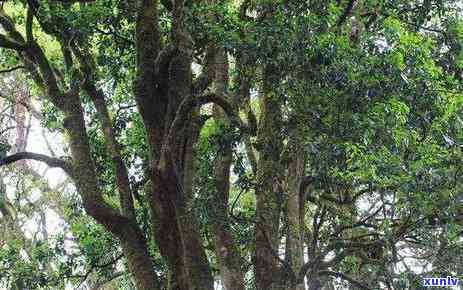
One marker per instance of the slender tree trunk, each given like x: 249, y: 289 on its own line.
x: 132, y: 239
x: 268, y: 190
x: 113, y: 147
x: 294, y: 238
x: 227, y: 253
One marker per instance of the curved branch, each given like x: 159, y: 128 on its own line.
x: 114, y: 33
x: 11, y: 69
x: 50, y: 161
x: 231, y: 113
x: 190, y: 103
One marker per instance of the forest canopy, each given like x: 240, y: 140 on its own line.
x: 234, y: 144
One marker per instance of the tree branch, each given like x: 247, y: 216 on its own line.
x: 50, y: 161
x: 11, y: 69
x: 146, y: 95
x: 347, y: 11
x: 94, y: 267
x: 205, y: 79
x: 29, y: 22
x: 112, y: 32
x: 190, y: 103
x: 5, y: 42
x: 8, y: 25
x: 167, y: 4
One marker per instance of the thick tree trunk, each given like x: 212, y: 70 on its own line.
x: 153, y: 106
x: 176, y: 168
x: 175, y: 228
x: 196, y: 265
x: 167, y: 238
x: 139, y: 261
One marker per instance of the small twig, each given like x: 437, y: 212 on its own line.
x: 115, y: 34
x: 235, y: 201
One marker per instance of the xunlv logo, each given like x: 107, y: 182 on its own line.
x: 440, y: 282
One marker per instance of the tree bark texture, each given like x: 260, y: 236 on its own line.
x: 225, y: 247
x: 268, y: 189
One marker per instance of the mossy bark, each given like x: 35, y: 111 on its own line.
x: 268, y: 189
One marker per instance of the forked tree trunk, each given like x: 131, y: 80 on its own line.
x: 132, y: 239
x: 158, y: 98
